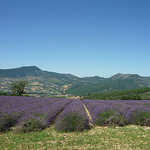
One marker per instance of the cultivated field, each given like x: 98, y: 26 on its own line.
x: 58, y: 123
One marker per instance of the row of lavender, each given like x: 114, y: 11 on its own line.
x: 73, y: 118
x: 29, y: 113
x: 33, y: 114
x: 119, y: 112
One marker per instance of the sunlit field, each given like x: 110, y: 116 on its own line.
x: 58, y: 123
x: 129, y: 137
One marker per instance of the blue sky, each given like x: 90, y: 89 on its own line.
x: 81, y: 37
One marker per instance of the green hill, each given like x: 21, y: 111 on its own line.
x: 43, y: 82
x: 52, y: 83
x: 135, y: 94
x: 114, y: 83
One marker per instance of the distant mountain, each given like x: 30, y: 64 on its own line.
x: 125, y: 76
x: 20, y: 72
x: 114, y: 83
x: 43, y: 82
x: 52, y: 83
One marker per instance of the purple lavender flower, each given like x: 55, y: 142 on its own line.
x: 15, y: 109
x: 73, y: 118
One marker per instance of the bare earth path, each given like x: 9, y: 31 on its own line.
x: 88, y: 113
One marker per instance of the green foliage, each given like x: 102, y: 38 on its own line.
x: 146, y: 122
x: 138, y: 117
x: 27, y: 95
x: 131, y: 97
x: 18, y: 87
x: 9, y: 94
x: 3, y: 93
x: 108, y: 85
x: 134, y: 94
x: 3, y: 124
x: 103, y: 116
x: 115, y: 120
x: 8, y: 119
x: 31, y: 125
x: 109, y: 118
x: 71, y: 122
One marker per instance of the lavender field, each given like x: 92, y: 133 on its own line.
x: 119, y: 112
x: 29, y: 113
x: 25, y: 114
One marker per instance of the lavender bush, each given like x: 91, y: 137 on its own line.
x: 146, y: 122
x: 119, y: 112
x: 41, y: 118
x: 138, y: 114
x: 8, y: 120
x: 36, y: 113
x: 15, y: 110
x: 115, y: 120
x: 73, y: 118
x: 3, y: 124
x: 31, y: 123
x: 100, y: 111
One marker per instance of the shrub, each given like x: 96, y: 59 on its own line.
x: 131, y: 97
x: 72, y: 122
x: 146, y: 122
x: 3, y: 93
x: 138, y: 116
x: 8, y: 120
x: 3, y: 125
x: 31, y: 124
x: 115, y: 120
x: 73, y: 118
x: 103, y: 116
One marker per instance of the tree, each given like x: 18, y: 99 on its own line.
x: 18, y: 87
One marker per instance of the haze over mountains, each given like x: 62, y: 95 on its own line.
x: 51, y: 83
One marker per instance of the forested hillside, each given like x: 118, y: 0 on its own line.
x: 135, y: 94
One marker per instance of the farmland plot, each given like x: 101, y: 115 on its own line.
x: 119, y: 112
x: 27, y: 114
